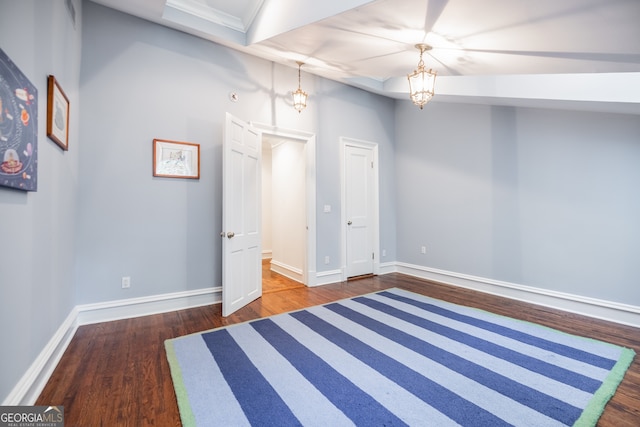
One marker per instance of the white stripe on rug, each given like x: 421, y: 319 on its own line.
x: 392, y: 357
x: 600, y: 348
x: 288, y: 382
x: 512, y: 344
x: 486, y: 398
x: 211, y: 401
x: 398, y: 400
x: 532, y: 379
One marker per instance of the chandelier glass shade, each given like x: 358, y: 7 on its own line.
x: 299, y: 96
x: 421, y: 81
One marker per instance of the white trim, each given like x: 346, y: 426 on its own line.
x: 328, y: 277
x: 312, y: 279
x: 387, y: 267
x: 284, y: 132
x: 217, y: 16
x: 373, y: 147
x: 309, y: 140
x: 145, y: 306
x: 292, y: 273
x: 624, y: 314
x: 35, y: 378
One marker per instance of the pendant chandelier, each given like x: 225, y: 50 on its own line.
x: 299, y: 96
x: 421, y: 81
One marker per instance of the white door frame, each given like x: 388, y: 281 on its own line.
x: 309, y: 141
x: 375, y: 215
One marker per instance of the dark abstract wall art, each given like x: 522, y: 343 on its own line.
x: 18, y: 128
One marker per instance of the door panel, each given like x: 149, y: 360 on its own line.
x: 359, y: 208
x: 241, y: 265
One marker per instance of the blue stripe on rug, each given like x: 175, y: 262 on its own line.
x: 287, y: 381
x: 491, y: 400
x: 524, y: 395
x: 392, y: 358
x: 356, y: 404
x: 593, y: 346
x: 452, y: 405
x: 572, y: 352
x: 574, y: 379
x: 405, y: 405
x: 259, y: 401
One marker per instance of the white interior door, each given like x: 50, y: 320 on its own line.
x: 359, y: 208
x: 241, y: 235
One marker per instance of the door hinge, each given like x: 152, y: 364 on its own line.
x: 371, y: 165
x: 373, y: 255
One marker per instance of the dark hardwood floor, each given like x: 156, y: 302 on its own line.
x: 275, y: 282
x: 116, y: 373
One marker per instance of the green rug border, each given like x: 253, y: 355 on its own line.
x: 601, y: 397
x: 184, y: 408
x: 589, y: 417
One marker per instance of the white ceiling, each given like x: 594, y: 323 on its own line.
x: 510, y: 52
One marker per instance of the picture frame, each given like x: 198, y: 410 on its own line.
x: 57, y: 114
x: 18, y: 128
x: 176, y: 159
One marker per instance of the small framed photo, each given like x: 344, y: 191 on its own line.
x: 57, y: 114
x: 174, y: 159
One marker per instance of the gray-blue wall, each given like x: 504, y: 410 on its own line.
x: 530, y: 196
x: 141, y: 81
x: 38, y: 229
x: 98, y: 213
x: 544, y: 198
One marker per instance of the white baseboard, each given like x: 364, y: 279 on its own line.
x: 327, y: 277
x: 144, y: 306
x: 341, y: 275
x: 33, y: 381
x: 624, y: 314
x: 387, y: 267
x: 312, y: 279
x: 292, y: 273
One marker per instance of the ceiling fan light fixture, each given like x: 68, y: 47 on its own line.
x: 421, y: 81
x: 299, y: 96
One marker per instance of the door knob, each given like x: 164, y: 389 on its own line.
x: 222, y: 234
x: 230, y: 234
x: 349, y: 223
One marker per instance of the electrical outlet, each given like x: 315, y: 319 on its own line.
x: 384, y: 252
x: 423, y: 250
x: 326, y: 259
x: 126, y: 282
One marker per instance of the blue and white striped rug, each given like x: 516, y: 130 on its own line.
x: 392, y: 358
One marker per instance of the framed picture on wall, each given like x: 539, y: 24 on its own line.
x: 174, y: 159
x: 57, y: 114
x: 18, y: 128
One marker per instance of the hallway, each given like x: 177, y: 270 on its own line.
x: 275, y: 282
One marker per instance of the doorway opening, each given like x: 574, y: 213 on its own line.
x: 283, y: 213
x: 288, y: 209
